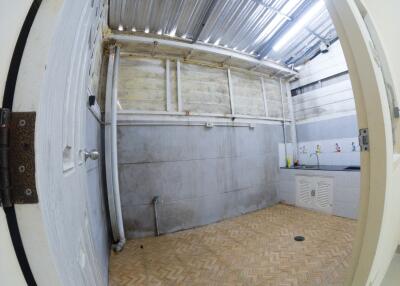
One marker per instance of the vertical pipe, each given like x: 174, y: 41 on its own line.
x: 168, y: 84
x: 122, y: 239
x: 264, y: 96
x: 283, y: 121
x: 155, y: 202
x: 293, y: 123
x: 107, y: 146
x: 230, y: 91
x: 111, y: 150
x: 178, y: 85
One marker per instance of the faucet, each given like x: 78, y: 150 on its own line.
x: 316, y: 155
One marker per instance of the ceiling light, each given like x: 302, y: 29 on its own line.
x: 184, y: 36
x: 278, y: 20
x: 173, y: 33
x: 217, y: 42
x: 206, y: 40
x: 133, y: 29
x: 159, y: 32
x: 299, y: 25
x: 120, y: 28
x: 146, y: 30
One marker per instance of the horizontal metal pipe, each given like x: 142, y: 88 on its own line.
x: 127, y: 39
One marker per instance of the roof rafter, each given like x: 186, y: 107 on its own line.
x: 264, y: 50
x: 204, y: 20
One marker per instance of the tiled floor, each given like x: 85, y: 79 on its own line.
x: 253, y: 249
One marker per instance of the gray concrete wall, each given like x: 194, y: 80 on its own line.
x: 339, y: 127
x: 202, y: 175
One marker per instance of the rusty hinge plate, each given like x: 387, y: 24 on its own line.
x: 21, y: 158
x: 363, y: 139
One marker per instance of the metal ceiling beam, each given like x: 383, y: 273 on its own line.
x: 266, y: 48
x: 294, y: 50
x: 276, y: 11
x: 314, y: 50
x: 316, y: 35
x: 210, y: 8
x: 131, y: 39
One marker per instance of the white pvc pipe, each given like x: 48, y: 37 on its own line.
x: 283, y: 123
x: 114, y: 198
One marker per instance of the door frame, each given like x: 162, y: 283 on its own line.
x: 373, y: 112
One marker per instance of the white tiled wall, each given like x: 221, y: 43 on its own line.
x: 329, y: 155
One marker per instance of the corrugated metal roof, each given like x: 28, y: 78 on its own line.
x: 249, y: 26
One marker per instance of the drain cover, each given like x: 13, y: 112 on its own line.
x: 299, y: 238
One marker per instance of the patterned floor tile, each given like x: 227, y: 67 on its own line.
x: 253, y: 249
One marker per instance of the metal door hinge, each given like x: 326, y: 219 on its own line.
x: 363, y: 139
x: 17, y: 158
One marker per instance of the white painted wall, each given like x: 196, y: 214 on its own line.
x: 332, y: 99
x: 327, y: 102
x: 11, y: 20
x: 322, y: 66
x: 328, y: 107
x: 12, y: 16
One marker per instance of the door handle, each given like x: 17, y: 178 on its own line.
x: 92, y: 154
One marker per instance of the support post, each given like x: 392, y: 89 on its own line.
x: 283, y: 121
x: 293, y: 122
x: 264, y: 96
x: 230, y: 91
x: 178, y: 85
x: 168, y: 84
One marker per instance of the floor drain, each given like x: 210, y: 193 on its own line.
x: 299, y: 238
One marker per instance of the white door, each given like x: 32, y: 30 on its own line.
x: 64, y: 236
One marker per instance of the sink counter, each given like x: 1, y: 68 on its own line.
x: 346, y: 187
x: 325, y: 168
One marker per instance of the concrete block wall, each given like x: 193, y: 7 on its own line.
x: 202, y: 175
x: 151, y: 85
